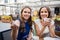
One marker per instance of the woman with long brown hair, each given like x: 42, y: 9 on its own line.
x: 24, y: 24
x: 44, y: 25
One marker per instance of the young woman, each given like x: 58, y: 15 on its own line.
x: 44, y: 25
x: 23, y: 25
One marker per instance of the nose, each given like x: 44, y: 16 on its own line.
x: 27, y: 13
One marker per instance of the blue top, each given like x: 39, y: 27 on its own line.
x: 22, y: 36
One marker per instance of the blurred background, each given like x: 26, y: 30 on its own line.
x: 9, y: 8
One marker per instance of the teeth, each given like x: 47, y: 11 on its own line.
x: 44, y: 15
x: 25, y: 15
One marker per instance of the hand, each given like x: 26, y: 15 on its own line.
x: 48, y: 24
x: 14, y: 27
x: 29, y: 38
x: 44, y: 24
x: 47, y: 21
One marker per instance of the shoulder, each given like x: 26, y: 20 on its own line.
x: 52, y: 22
x: 37, y: 20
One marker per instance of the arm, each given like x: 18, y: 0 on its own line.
x: 15, y: 28
x: 29, y: 36
x: 51, y: 27
x: 39, y: 31
x: 51, y: 30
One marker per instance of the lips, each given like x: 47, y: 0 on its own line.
x: 44, y: 15
x: 26, y: 17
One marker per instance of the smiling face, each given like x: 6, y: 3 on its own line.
x: 26, y: 13
x: 44, y: 13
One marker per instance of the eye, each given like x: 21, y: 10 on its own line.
x: 45, y: 11
x: 41, y: 12
x: 29, y: 12
x: 25, y: 11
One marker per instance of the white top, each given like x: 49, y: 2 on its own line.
x: 40, y: 26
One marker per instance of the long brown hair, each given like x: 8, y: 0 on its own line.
x: 22, y: 23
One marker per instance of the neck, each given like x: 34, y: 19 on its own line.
x: 23, y: 20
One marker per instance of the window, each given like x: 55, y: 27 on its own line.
x: 15, y: 0
x: 6, y: 1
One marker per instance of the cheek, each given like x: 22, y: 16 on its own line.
x: 47, y: 14
x: 29, y: 15
x: 41, y: 14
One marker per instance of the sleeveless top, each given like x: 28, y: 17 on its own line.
x: 24, y: 35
